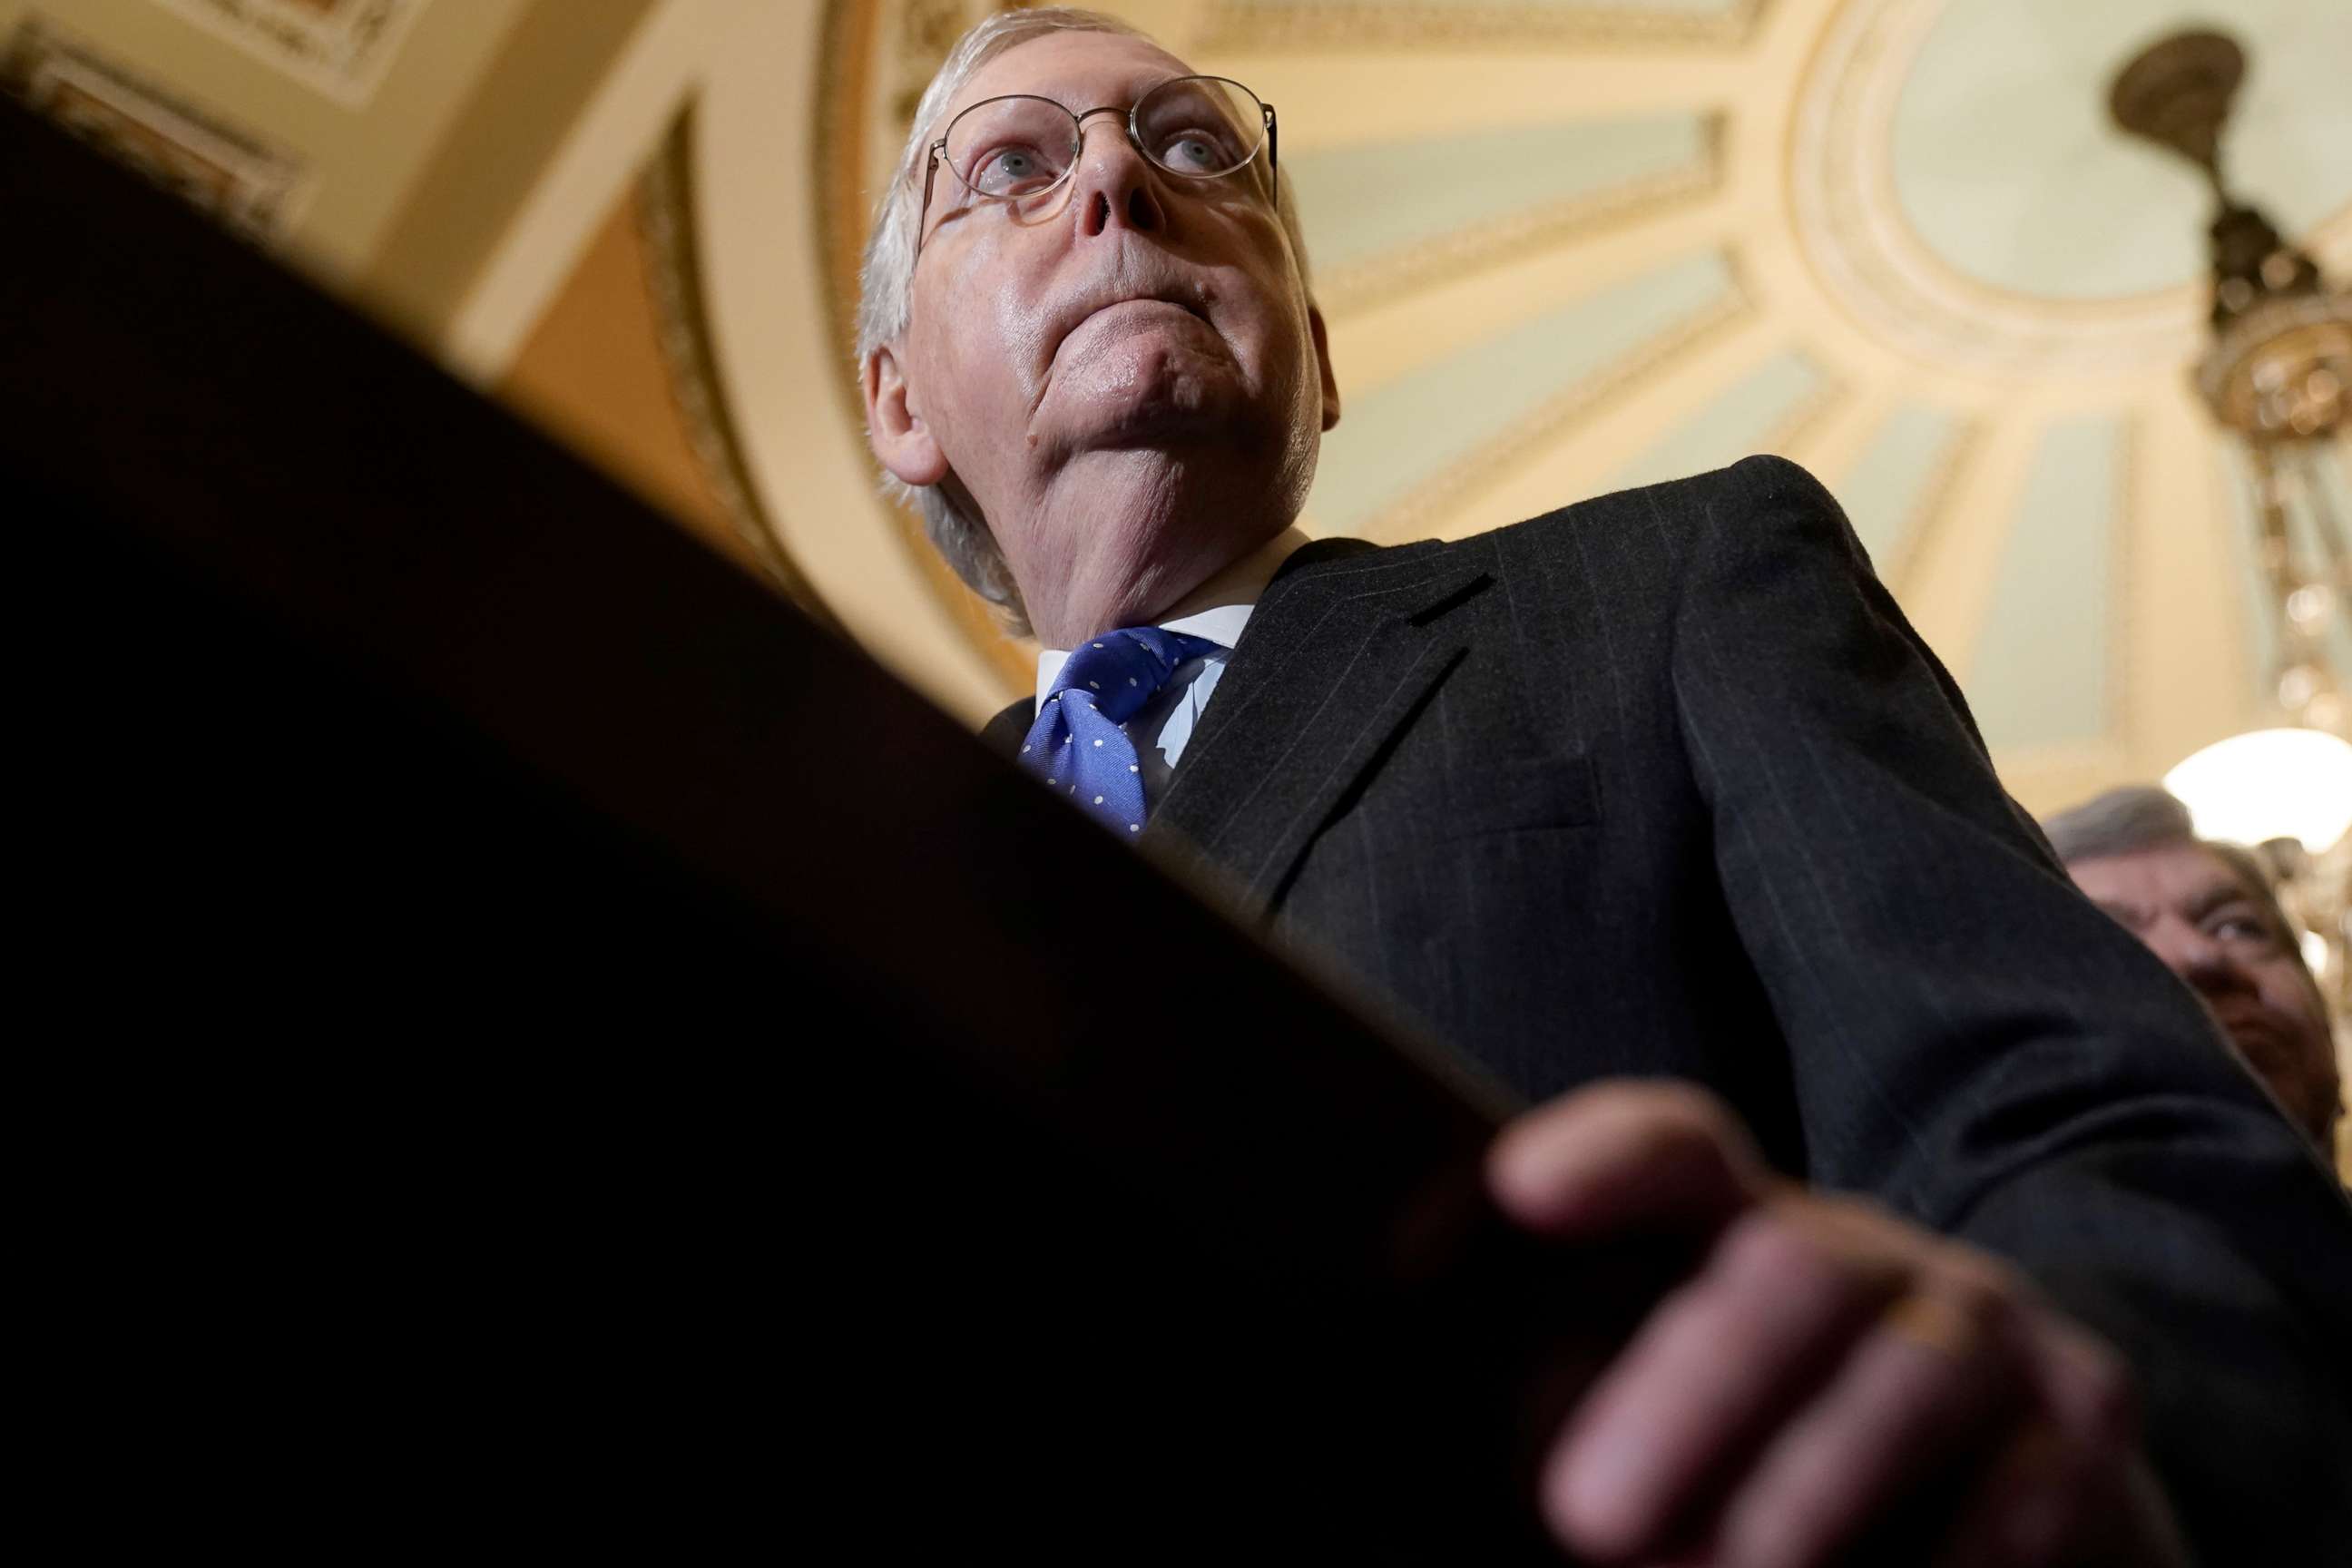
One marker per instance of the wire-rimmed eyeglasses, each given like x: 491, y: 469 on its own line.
x: 1020, y: 147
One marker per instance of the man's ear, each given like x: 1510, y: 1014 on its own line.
x: 1323, y: 358
x: 902, y: 442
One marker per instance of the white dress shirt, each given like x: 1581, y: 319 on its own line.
x: 1162, y: 726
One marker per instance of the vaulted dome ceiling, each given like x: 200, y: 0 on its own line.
x: 1562, y: 247
x: 1565, y: 248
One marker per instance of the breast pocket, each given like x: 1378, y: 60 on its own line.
x: 1519, y: 795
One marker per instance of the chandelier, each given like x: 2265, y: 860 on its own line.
x: 2276, y: 374
x: 2276, y: 377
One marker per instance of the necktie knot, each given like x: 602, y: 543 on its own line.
x: 1077, y: 743
x: 1120, y: 670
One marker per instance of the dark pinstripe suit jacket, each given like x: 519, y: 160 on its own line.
x: 1664, y: 783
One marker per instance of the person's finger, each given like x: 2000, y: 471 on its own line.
x: 2086, y: 1385
x: 1679, y: 1413
x: 1927, y: 1383
x: 2023, y: 1507
x: 2069, y: 1484
x: 1625, y: 1155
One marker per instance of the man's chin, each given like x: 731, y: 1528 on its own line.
x: 2275, y: 1049
x: 1122, y: 400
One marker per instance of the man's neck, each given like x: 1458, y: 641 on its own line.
x: 1130, y: 601
x: 1240, y: 583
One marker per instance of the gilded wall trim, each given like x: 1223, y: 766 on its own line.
x: 2123, y: 577
x: 220, y: 168
x: 339, y: 48
x: 1258, y: 26
x: 665, y: 217
x: 1931, y: 509
x: 1810, y: 415
x: 855, y: 32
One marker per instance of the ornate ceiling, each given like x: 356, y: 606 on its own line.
x: 1562, y: 247
x: 1565, y: 248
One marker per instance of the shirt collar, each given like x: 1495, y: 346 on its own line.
x: 1222, y: 625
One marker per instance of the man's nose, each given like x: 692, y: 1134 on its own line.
x: 2199, y: 959
x: 1112, y: 184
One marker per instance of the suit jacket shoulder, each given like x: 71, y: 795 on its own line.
x: 1664, y: 783
x: 1680, y: 513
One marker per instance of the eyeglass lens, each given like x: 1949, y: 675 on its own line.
x: 1007, y: 148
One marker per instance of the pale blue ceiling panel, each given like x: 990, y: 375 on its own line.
x: 1359, y: 203
x: 1737, y: 422
x: 1393, y: 436
x: 2040, y: 675
x: 1885, y: 490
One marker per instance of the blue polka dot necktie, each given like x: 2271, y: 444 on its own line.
x: 1077, y: 744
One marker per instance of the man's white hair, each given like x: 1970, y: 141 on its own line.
x: 886, y: 280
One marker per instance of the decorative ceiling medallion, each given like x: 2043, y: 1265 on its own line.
x: 1381, y: 279
x: 341, y: 47
x: 1873, y: 264
x: 219, y: 168
x: 1267, y: 25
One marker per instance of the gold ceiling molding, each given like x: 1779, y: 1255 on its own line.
x: 220, y: 168
x: 1261, y: 26
x: 1422, y: 508
x: 2115, y: 750
x: 1817, y: 408
x: 1873, y: 264
x: 924, y: 32
x: 1931, y: 510
x: 1381, y: 279
x: 879, y: 52
x: 2123, y: 563
x: 340, y: 47
x: 665, y: 217
x: 841, y: 160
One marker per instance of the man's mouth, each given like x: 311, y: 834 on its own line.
x: 2253, y: 1031
x: 1136, y: 311
x: 1136, y: 315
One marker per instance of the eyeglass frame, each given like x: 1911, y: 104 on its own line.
x: 937, y: 149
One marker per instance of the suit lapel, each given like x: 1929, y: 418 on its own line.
x: 1004, y: 733
x: 1344, y: 648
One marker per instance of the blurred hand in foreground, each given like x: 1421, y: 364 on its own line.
x: 1828, y: 1376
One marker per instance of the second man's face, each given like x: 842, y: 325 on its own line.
x: 2189, y: 907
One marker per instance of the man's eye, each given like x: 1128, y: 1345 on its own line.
x: 1012, y: 171
x: 1194, y: 151
x: 2241, y: 928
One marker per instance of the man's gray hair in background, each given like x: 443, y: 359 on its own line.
x: 2120, y: 821
x: 2140, y: 817
x: 886, y: 280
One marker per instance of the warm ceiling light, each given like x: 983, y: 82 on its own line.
x: 2269, y: 784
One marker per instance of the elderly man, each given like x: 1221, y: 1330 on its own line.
x: 1656, y: 807
x: 2207, y: 911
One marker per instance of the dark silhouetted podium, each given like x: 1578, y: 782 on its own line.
x: 539, y: 1046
